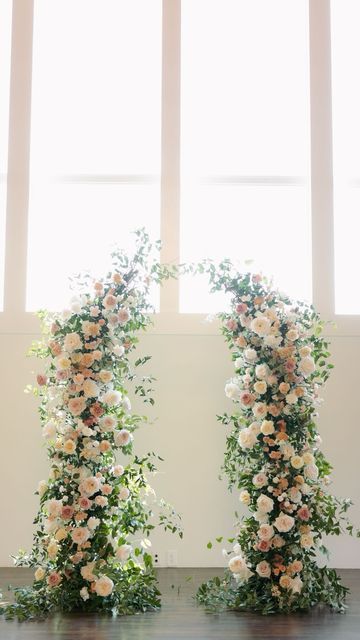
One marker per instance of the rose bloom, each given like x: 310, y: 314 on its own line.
x: 96, y: 410
x: 232, y: 390
x: 264, y: 546
x: 291, y: 398
x: 247, y: 438
x: 77, y: 405
x: 41, y: 379
x: 107, y: 423
x: 307, y: 366
x: 231, y: 324
x: 250, y: 355
x: 260, y: 386
x: 104, y: 586
x: 308, y: 458
x: 105, y: 376
x: 246, y: 399
x: 285, y: 582
x: 87, y: 571
x: 112, y: 398
x: 54, y: 578
x: 124, y: 493
x: 89, y: 486
x: 106, y: 489
x: 53, y: 507
x: 294, y: 494
x: 69, y: 447
x: 284, y: 523
x: 292, y: 335
x: 85, y: 503
x: 297, y: 462
x: 262, y: 371
x: 305, y: 351
x: 79, y: 535
x: 49, y: 430
x: 238, y: 567
x: 274, y: 410
x: 123, y: 552
x: 304, y: 513
x: 261, y: 517
x: 297, y: 566
x: 278, y: 541
x: 101, y: 501
x: 267, y: 427
x: 255, y: 428
x: 290, y: 365
x: 105, y: 446
x: 118, y: 470
x: 122, y: 437
x: 265, y: 532
x: 306, y: 541
x: 284, y: 387
x: 109, y: 302
x: 296, y: 585
x: 245, y: 497
x: 61, y: 534
x: 90, y: 388
x: 118, y: 350
x: 259, y: 410
x: 311, y: 471
x: 39, y: 573
x: 264, y: 503
x: 260, y: 480
x: 63, y: 362
x: 92, y: 523
x: 72, y: 342
x: 260, y: 325
x: 124, y: 316
x: 67, y: 512
x: 52, y: 549
x: 263, y: 569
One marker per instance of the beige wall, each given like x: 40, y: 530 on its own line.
x: 191, y: 372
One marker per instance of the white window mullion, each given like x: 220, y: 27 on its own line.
x: 321, y: 157
x: 18, y: 160
x: 170, y: 149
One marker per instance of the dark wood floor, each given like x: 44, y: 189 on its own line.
x: 181, y: 618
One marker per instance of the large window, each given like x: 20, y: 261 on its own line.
x: 228, y: 128
x: 346, y: 136
x: 245, y: 155
x: 5, y: 51
x: 95, y: 137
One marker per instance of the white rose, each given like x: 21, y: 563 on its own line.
x: 292, y: 335
x: 259, y: 409
x: 84, y: 594
x: 308, y: 458
x: 260, y: 325
x: 92, y: 523
x: 307, y: 366
x: 89, y: 486
x: 122, y: 437
x: 238, y: 566
x: 119, y: 350
x: 80, y: 535
x: 311, y: 471
x: 90, y: 388
x: 264, y: 503
x: 124, y: 493
x: 72, y: 341
x: 296, y: 585
x: 260, y: 480
x: 262, y: 371
x: 49, y: 430
x: 250, y: 355
x: 272, y: 341
x: 284, y: 523
x: 53, y: 507
x: 104, y: 586
x: 232, y: 391
x: 247, y: 438
x: 261, y: 517
x: 112, y: 398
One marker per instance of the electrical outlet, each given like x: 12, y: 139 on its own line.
x: 156, y: 558
x: 171, y: 558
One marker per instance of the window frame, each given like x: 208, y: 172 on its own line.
x: 15, y: 320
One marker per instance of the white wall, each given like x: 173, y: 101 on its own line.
x: 191, y: 371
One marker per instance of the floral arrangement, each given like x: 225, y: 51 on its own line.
x: 273, y: 454
x: 91, y: 547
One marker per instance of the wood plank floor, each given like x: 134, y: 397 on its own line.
x: 181, y: 618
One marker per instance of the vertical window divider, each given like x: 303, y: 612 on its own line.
x: 321, y: 158
x: 18, y: 158
x: 170, y: 149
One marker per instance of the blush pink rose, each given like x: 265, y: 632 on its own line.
x: 41, y: 379
x: 54, y: 578
x: 231, y: 324
x: 264, y: 545
x: 304, y: 513
x: 67, y: 512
